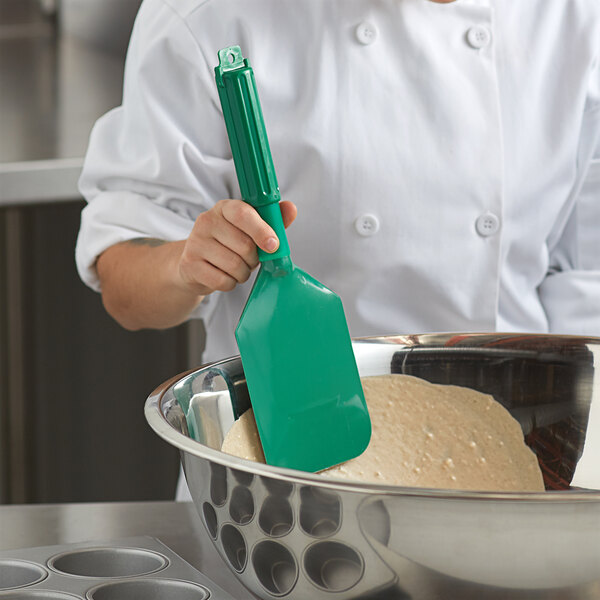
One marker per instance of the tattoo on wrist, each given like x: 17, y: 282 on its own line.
x: 146, y: 241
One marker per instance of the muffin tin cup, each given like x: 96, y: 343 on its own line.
x: 20, y: 573
x: 149, y: 589
x: 107, y: 562
x: 129, y: 568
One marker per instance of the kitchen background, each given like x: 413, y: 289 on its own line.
x: 72, y: 382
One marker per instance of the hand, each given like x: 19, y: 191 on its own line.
x: 221, y: 249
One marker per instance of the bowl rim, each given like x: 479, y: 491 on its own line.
x: 158, y: 422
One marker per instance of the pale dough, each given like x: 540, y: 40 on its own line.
x: 426, y: 435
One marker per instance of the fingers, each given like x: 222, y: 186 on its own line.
x: 288, y: 212
x: 231, y: 237
x: 208, y: 266
x: 216, y: 255
x: 221, y: 251
x: 246, y: 219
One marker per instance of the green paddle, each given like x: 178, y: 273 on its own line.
x: 292, y: 335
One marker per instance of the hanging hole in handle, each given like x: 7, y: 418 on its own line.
x: 231, y: 58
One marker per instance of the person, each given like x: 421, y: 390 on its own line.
x: 441, y: 161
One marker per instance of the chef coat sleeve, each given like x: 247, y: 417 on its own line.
x: 162, y: 157
x: 571, y: 291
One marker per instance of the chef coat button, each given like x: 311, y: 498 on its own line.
x: 487, y: 224
x: 367, y: 225
x: 479, y: 36
x: 366, y: 33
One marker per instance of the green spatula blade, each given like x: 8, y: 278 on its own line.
x: 292, y: 336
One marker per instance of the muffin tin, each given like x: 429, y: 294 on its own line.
x: 127, y: 568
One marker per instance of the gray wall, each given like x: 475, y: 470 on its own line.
x: 74, y: 382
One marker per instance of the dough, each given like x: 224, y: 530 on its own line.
x: 426, y: 435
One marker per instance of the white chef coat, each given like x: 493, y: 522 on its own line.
x: 444, y: 158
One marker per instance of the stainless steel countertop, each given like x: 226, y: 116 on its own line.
x: 53, y: 89
x: 176, y: 524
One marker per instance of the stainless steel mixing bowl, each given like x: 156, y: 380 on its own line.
x: 298, y: 535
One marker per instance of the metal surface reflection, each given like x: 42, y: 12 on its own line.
x: 297, y: 535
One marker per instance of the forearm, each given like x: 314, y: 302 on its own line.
x: 141, y: 285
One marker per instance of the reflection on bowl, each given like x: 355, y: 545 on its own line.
x: 294, y: 534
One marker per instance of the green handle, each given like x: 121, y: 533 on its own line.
x: 249, y: 144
